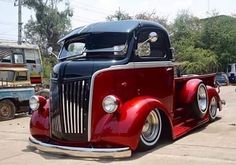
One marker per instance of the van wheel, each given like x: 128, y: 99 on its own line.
x: 151, y: 131
x: 201, y: 101
x: 7, y: 109
x: 213, y: 109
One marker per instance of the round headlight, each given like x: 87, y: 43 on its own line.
x: 110, y: 104
x: 34, y: 103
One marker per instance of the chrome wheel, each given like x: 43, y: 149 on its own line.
x: 213, y: 109
x: 152, y: 128
x: 202, y: 98
x: 201, y: 101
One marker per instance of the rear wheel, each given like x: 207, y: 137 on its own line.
x: 201, y: 101
x: 213, y: 109
x: 151, y: 131
x: 7, y: 109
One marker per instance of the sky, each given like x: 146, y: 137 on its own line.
x: 90, y: 11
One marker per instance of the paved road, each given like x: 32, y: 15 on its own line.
x: 211, y: 144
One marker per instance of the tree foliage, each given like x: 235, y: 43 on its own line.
x: 219, y: 36
x: 49, y: 23
x: 151, y: 16
x: 119, y: 15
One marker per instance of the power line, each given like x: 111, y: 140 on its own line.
x: 6, y: 24
x: 86, y: 5
x: 7, y: 32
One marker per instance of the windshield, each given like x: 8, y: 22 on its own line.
x: 6, y: 76
x: 96, y: 44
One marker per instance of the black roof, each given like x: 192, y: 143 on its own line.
x: 125, y: 26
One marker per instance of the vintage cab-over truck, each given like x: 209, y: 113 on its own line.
x: 15, y: 91
x: 115, y: 91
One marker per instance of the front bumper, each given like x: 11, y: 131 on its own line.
x: 79, y: 151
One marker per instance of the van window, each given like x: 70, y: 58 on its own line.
x: 32, y: 56
x: 229, y: 68
x: 18, y: 59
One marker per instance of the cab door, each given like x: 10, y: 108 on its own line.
x: 154, y: 71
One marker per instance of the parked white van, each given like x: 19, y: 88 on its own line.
x: 231, y: 72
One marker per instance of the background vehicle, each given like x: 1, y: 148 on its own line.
x: 231, y: 72
x: 24, y: 55
x: 222, y: 78
x: 114, y: 91
x: 15, y: 91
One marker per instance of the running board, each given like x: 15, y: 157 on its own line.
x: 187, y: 125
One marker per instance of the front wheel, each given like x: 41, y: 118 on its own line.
x: 151, y: 131
x: 7, y: 110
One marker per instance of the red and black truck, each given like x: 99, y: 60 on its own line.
x: 115, y: 90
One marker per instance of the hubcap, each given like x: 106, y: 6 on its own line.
x: 202, y: 98
x: 151, y: 127
x: 213, y: 108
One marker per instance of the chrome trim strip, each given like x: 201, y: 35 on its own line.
x: 131, y: 65
x: 79, y: 151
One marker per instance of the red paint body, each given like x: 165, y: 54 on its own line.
x: 138, y: 94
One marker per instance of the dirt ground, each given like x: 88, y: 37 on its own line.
x: 214, y: 143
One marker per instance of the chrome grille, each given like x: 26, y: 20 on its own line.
x: 70, y: 118
x: 74, y: 101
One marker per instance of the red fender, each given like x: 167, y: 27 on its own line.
x: 39, y: 123
x: 124, y: 127
x: 188, y: 92
x: 212, y: 92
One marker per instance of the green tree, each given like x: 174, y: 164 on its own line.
x: 49, y: 24
x: 219, y: 36
x: 119, y: 15
x: 186, y: 31
x: 152, y: 16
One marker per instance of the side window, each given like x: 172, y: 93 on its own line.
x: 21, y: 76
x: 150, y: 48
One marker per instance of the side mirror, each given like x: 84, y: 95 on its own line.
x: 153, y: 37
x: 50, y: 49
x: 50, y: 52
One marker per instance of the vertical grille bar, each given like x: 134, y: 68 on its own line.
x: 74, y: 107
x: 67, y: 109
x: 82, y: 103
x: 71, y: 107
x: 64, y: 107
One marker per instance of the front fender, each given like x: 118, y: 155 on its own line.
x: 124, y: 127
x: 39, y: 123
x: 188, y: 92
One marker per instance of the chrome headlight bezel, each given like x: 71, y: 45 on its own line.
x: 110, y: 104
x: 34, y: 103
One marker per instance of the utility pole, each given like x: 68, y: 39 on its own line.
x: 19, y: 4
